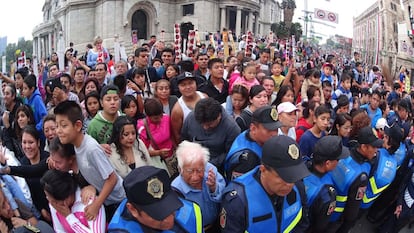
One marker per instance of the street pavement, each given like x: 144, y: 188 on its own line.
x: 364, y: 226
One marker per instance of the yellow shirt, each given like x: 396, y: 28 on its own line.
x: 278, y: 81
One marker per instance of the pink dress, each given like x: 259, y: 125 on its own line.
x: 247, y: 83
x: 160, y: 132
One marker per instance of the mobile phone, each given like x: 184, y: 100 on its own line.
x: 32, y: 228
x: 75, y: 53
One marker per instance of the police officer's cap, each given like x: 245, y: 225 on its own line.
x: 282, y: 154
x: 330, y: 148
x: 267, y: 116
x: 366, y: 136
x: 149, y: 189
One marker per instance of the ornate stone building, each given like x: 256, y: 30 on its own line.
x: 383, y: 33
x: 79, y: 21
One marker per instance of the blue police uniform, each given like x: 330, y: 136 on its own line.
x: 382, y: 174
x: 251, y: 209
x: 387, y: 198
x: 321, y: 200
x: 241, y: 144
x: 405, y: 200
x: 351, y: 171
x: 400, y: 154
x: 187, y: 219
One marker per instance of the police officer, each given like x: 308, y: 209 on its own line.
x: 350, y: 179
x: 319, y: 187
x: 386, y: 201
x: 151, y: 205
x: 267, y: 199
x: 385, y: 166
x: 403, y: 211
x: 246, y: 151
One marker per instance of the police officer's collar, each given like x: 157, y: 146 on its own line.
x: 358, y: 157
x: 315, y: 171
x: 248, y: 137
x: 128, y: 217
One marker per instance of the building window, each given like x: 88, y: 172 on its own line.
x: 140, y: 24
x: 188, y: 9
x: 393, y: 7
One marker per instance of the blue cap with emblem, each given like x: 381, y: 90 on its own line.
x: 282, y: 154
x: 149, y: 189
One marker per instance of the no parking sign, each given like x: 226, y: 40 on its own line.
x: 325, y: 15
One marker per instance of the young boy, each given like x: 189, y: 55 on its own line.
x: 92, y: 162
x: 344, y: 89
x: 277, y: 75
x: 326, y: 74
x: 100, y: 127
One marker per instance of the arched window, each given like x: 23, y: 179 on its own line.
x: 139, y: 23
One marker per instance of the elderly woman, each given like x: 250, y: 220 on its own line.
x: 199, y: 181
x: 97, y: 54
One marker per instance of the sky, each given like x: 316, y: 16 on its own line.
x: 23, y: 15
x: 346, y: 10
x: 19, y: 17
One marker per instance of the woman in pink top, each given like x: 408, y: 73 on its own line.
x: 156, y: 125
x: 248, y: 76
x: 66, y: 206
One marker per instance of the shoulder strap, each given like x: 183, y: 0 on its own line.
x: 149, y: 136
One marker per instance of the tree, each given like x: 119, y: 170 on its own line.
x: 282, y: 31
x: 23, y: 45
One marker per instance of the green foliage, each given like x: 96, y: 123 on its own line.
x: 283, y: 32
x: 23, y: 45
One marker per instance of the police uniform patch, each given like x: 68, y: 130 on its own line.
x: 273, y: 114
x: 155, y: 188
x: 223, y: 218
x: 331, y: 208
x: 360, y: 193
x: 293, y: 151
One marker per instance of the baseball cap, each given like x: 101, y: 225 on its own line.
x: 109, y: 89
x: 282, y: 154
x: 286, y: 107
x: 149, y: 188
x: 366, y: 136
x: 328, y: 64
x: 394, y: 132
x: 184, y: 76
x: 330, y: 148
x: 267, y: 116
x: 381, y: 123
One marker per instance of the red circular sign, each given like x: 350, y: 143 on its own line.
x: 320, y: 14
x: 332, y: 17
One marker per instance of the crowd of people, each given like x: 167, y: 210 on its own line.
x: 247, y: 142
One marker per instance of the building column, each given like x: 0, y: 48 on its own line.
x: 39, y: 48
x: 49, y: 46
x: 238, y: 22
x: 256, y: 20
x: 250, y: 27
x: 34, y: 45
x: 223, y: 18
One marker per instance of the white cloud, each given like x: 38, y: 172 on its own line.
x: 19, y: 18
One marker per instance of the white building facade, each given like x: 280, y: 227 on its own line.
x: 384, y: 34
x: 79, y: 21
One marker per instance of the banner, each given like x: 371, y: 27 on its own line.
x: 325, y: 15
